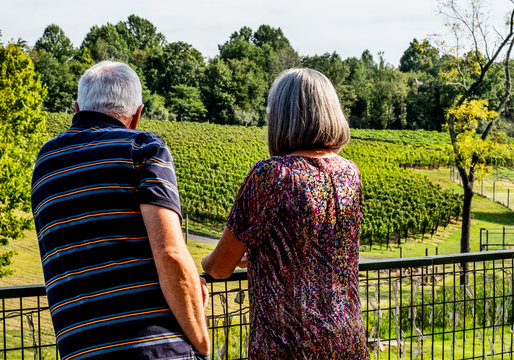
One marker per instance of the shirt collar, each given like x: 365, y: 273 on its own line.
x: 86, y: 118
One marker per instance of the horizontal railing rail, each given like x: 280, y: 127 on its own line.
x: 457, y: 306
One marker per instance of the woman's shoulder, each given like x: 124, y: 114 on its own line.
x: 269, y: 167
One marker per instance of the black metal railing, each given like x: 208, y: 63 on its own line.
x: 413, y: 308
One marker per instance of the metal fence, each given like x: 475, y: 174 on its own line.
x: 413, y: 308
x: 495, y: 188
x: 496, y: 238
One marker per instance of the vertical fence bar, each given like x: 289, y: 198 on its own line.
x: 493, y: 284
x: 4, y: 328
x: 39, y: 326
x: 379, y: 311
x: 494, y: 190
x: 463, y: 292
x: 454, y: 288
x: 423, y: 309
x: 474, y: 304
x: 484, y: 300
x: 512, y: 301
x: 411, y: 305
x: 433, y: 281
x: 444, y: 306
x: 21, y: 329
x: 390, y: 319
x: 503, y: 309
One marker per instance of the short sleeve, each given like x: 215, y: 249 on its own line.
x: 157, y: 182
x: 255, y: 206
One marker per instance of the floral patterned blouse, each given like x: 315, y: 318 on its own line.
x: 299, y: 217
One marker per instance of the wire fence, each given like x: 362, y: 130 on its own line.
x: 491, y: 239
x: 455, y: 306
x: 498, y: 187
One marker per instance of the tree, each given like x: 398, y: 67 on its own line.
x: 186, y: 103
x: 274, y: 37
x: 177, y: 63
x: 110, y: 42
x: 55, y: 42
x: 217, y: 91
x: 145, y: 33
x: 420, y: 56
x: 267, y: 47
x: 21, y: 96
x: 60, y: 67
x: 467, y: 74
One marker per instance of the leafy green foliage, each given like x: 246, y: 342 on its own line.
x: 470, y: 150
x: 232, y: 87
x: 55, y: 42
x: 21, y: 128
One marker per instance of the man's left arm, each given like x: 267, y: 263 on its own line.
x: 178, y: 277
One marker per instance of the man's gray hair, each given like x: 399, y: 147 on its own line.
x: 112, y: 88
x: 304, y: 113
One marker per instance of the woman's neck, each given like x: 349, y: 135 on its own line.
x: 316, y: 153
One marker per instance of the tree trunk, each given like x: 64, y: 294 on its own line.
x: 467, y: 184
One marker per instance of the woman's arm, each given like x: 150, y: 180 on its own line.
x: 225, y: 257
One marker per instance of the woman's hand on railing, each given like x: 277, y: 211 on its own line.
x: 243, y: 263
x: 205, y: 292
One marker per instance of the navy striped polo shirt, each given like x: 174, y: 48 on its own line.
x: 100, y: 276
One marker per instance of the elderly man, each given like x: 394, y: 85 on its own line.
x: 121, y: 283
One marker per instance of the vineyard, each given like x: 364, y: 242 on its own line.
x: 212, y: 160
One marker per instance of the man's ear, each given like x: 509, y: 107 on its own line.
x: 76, y: 107
x: 136, y: 117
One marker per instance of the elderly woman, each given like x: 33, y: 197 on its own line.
x: 297, y: 218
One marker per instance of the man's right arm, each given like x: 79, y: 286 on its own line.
x: 178, y: 277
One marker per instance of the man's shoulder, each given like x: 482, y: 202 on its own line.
x: 76, y: 136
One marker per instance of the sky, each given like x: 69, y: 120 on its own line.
x: 313, y: 27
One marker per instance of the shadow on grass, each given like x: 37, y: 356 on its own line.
x: 501, y: 219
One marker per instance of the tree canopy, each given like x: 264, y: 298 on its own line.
x: 21, y: 97
x: 231, y: 88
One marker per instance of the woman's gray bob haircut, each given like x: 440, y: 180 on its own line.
x: 112, y: 88
x: 304, y: 113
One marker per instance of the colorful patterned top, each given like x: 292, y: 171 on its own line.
x: 300, y: 219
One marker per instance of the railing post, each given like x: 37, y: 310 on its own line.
x: 481, y: 246
x: 503, y: 237
x: 494, y: 190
